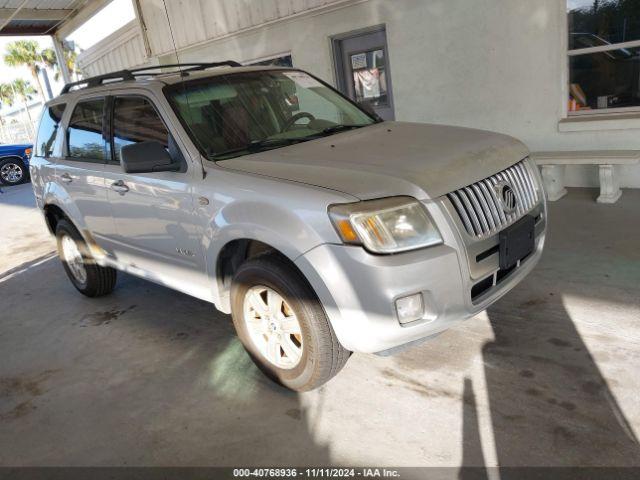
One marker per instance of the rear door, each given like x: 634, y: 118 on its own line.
x: 46, y: 149
x: 156, y: 228
x: 79, y: 170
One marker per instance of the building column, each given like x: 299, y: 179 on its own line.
x: 62, y: 63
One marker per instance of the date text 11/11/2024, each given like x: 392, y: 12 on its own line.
x: 316, y: 473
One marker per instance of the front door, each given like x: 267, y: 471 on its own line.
x: 362, y: 70
x: 156, y: 232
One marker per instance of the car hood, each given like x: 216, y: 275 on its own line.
x: 14, y: 148
x: 390, y: 158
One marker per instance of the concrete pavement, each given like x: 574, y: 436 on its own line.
x: 148, y: 376
x: 23, y: 234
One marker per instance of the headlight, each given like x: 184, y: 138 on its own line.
x: 28, y: 152
x: 388, y: 225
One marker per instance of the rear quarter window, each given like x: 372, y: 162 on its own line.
x: 48, y: 130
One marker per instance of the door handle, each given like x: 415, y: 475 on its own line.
x: 66, y: 178
x: 119, y: 187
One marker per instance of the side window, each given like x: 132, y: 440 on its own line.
x: 84, y: 133
x: 48, y: 130
x: 136, y: 120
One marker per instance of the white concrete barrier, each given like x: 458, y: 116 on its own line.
x: 553, y: 165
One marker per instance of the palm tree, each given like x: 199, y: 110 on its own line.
x: 50, y: 60
x: 26, y: 53
x: 6, y: 97
x: 6, y: 94
x: 25, y: 91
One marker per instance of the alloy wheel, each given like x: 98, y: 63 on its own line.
x: 73, y: 259
x: 11, y: 173
x: 273, y: 327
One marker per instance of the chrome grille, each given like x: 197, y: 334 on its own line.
x: 481, y: 210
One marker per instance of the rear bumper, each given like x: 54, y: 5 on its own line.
x: 358, y: 290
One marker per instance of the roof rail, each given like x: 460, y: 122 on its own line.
x: 185, y: 67
x: 124, y: 75
x: 90, y: 82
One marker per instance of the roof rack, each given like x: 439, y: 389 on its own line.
x: 125, y: 75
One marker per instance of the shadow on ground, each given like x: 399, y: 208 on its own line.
x: 148, y: 376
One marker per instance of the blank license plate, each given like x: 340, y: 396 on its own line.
x: 517, y: 241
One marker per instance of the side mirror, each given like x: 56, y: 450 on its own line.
x: 145, y: 157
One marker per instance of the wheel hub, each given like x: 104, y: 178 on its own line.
x: 11, y: 173
x: 73, y: 258
x: 273, y: 327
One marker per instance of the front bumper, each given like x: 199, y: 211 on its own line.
x: 358, y: 290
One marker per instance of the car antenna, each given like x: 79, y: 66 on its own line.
x: 183, y: 74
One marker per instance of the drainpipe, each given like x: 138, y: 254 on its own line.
x: 47, y: 84
x: 60, y: 58
x: 143, y: 28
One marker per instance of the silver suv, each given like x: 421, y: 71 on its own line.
x: 320, y: 228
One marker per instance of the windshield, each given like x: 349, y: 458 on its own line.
x: 237, y: 114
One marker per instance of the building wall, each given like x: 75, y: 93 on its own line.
x: 122, y: 49
x: 193, y: 21
x: 18, y: 127
x: 493, y: 64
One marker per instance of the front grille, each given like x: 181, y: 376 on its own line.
x: 481, y: 210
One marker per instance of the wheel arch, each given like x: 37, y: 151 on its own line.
x: 232, y: 255
x: 52, y: 215
x: 18, y: 157
x: 55, y: 198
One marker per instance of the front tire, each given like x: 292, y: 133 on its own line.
x: 282, y: 324
x: 85, y: 274
x: 12, y: 171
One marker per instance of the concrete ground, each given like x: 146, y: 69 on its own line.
x: 148, y: 376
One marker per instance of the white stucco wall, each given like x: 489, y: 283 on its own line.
x: 494, y: 64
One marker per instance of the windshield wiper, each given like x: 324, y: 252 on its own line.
x: 339, y: 128
x: 258, y: 145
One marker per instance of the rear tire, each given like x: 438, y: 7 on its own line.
x: 307, y: 355
x: 12, y: 171
x: 85, y: 274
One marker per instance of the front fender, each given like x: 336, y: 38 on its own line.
x: 289, y: 217
x: 290, y: 232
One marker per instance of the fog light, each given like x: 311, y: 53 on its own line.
x: 410, y: 308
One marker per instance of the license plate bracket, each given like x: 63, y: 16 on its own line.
x: 517, y: 241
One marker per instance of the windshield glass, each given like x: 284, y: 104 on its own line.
x: 237, y: 114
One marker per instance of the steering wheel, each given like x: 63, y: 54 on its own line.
x: 294, y: 118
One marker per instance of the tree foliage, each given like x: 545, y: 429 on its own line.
x: 612, y: 20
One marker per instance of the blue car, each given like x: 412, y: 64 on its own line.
x: 14, y: 163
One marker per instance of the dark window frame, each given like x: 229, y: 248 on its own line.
x: 37, y: 147
x: 67, y: 150
x: 111, y: 128
x: 606, y: 48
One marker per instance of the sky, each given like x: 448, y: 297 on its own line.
x: 573, y: 4
x: 102, y: 24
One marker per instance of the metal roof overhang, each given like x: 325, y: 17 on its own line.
x: 45, y: 17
